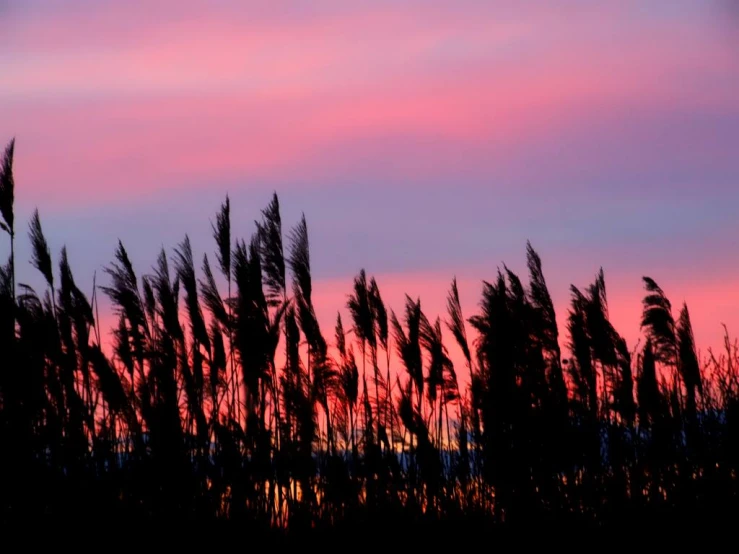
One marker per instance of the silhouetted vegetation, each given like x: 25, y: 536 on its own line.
x: 221, y: 397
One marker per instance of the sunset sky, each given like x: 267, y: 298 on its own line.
x: 422, y: 139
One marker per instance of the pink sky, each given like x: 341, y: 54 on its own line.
x: 423, y: 140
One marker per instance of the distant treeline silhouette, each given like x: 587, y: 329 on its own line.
x: 232, y: 403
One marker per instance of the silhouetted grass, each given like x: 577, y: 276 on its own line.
x: 229, y: 409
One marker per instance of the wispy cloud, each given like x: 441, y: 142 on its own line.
x: 441, y: 134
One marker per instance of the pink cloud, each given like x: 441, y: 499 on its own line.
x: 167, y: 140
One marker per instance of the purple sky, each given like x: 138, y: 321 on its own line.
x: 423, y: 140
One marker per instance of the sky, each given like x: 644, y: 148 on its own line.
x: 422, y: 139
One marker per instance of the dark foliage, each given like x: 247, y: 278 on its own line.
x: 192, y: 414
